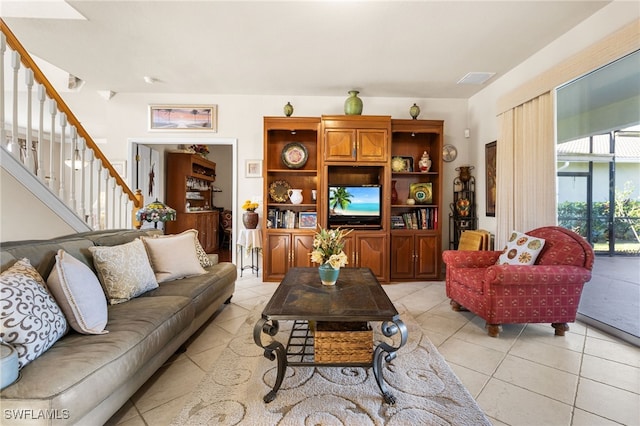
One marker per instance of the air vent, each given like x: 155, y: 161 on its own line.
x: 476, y: 77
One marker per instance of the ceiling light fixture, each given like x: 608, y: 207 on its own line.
x: 476, y: 77
x: 150, y: 80
x: 106, y: 94
x: 74, y: 83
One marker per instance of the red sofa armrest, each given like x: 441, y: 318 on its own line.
x: 469, y: 259
x: 536, y: 274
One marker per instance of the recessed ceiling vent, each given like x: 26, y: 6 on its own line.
x: 476, y: 77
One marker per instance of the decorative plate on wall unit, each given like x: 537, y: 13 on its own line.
x: 279, y: 191
x: 422, y: 192
x: 294, y: 155
x: 449, y: 153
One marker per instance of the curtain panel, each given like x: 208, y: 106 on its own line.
x: 526, y: 168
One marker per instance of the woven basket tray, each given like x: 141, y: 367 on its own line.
x: 343, y: 342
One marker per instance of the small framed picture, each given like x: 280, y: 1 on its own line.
x: 307, y: 220
x: 121, y: 167
x: 182, y: 118
x: 253, y: 169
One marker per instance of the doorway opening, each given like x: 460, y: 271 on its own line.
x: 222, y: 150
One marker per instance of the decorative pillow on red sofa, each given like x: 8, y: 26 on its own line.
x: 521, y: 249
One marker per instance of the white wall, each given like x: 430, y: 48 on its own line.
x: 25, y: 217
x: 482, y: 106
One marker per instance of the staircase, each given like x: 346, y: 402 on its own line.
x: 44, y: 146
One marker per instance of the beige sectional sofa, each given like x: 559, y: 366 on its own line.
x: 85, y: 379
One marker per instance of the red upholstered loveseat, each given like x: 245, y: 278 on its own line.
x: 546, y: 292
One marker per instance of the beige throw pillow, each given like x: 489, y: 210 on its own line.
x: 124, y: 271
x: 173, y: 256
x: 78, y: 292
x: 30, y: 319
x: 521, y: 249
x: 203, y: 257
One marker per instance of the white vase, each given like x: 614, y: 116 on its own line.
x: 295, y: 195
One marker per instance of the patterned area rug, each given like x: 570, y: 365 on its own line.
x: 426, y: 389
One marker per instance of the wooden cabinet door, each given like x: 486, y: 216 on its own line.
x: 207, y: 226
x: 276, y: 253
x: 372, y: 250
x: 427, y: 250
x: 302, y: 246
x: 339, y: 144
x: 372, y: 145
x: 402, y: 256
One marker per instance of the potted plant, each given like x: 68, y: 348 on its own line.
x: 250, y: 217
x: 328, y: 251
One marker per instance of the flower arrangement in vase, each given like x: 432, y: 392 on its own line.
x: 250, y: 217
x: 328, y: 251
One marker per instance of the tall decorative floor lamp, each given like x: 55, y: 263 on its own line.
x: 155, y: 212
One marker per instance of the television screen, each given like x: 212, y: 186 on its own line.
x: 355, y: 204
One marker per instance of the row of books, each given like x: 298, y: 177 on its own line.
x: 425, y: 218
x: 277, y: 218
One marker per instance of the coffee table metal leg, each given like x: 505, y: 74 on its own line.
x: 389, y: 329
x: 274, y: 350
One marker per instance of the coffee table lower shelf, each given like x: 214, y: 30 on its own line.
x: 300, y: 351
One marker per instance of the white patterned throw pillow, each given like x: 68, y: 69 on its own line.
x: 30, y: 319
x: 521, y: 249
x: 124, y: 271
x: 79, y: 294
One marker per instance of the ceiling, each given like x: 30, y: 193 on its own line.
x: 417, y: 49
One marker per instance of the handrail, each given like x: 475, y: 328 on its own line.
x: 39, y: 76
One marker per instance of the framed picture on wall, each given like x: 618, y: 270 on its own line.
x: 253, y: 169
x: 182, y: 118
x: 490, y: 169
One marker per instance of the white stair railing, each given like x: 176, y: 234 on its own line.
x: 53, y: 146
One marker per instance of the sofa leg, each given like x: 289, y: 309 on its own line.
x: 226, y: 302
x: 560, y: 327
x: 493, y: 330
x: 455, y: 306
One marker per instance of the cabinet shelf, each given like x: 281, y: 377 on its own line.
x: 182, y: 169
x: 414, y: 174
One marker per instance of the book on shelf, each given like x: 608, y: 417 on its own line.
x: 421, y: 218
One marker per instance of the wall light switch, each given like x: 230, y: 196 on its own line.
x: 466, y: 133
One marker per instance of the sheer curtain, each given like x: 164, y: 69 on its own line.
x: 526, y: 168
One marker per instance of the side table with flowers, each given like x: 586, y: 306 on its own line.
x: 327, y: 251
x: 250, y: 217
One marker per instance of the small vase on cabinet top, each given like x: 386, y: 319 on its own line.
x: 414, y: 111
x: 288, y: 109
x: 353, y: 104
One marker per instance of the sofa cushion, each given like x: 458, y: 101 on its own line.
x: 78, y: 292
x: 81, y: 369
x: 124, y: 271
x: 30, y: 319
x: 521, y: 249
x: 173, y: 256
x: 201, y: 289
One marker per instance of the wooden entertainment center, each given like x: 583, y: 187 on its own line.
x: 311, y: 154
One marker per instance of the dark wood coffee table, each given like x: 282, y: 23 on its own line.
x: 301, y: 298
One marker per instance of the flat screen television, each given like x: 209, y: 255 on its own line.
x: 355, y: 205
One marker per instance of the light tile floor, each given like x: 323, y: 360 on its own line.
x: 527, y: 376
